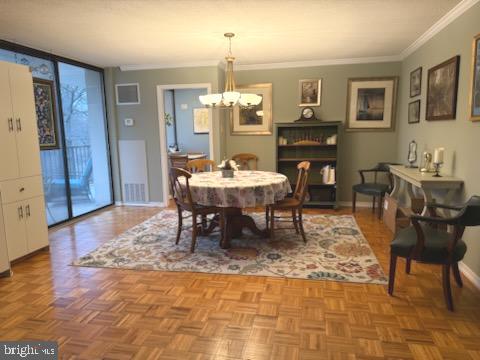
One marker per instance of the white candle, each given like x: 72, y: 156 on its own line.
x: 438, y: 155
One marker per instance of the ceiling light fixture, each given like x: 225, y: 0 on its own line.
x: 229, y: 98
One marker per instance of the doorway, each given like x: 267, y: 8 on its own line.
x: 185, y: 125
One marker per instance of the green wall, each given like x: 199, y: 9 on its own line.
x: 460, y: 137
x: 357, y: 149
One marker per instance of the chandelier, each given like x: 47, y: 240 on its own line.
x: 229, y: 98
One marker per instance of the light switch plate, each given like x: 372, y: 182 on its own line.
x: 129, y: 122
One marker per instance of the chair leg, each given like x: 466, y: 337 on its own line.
x: 456, y: 274
x: 300, y: 222
x: 294, y: 218
x: 373, y: 204
x: 447, y: 291
x: 179, y: 226
x: 272, y: 224
x: 267, y: 217
x: 380, y: 206
x: 354, y: 201
x: 391, y: 277
x: 194, y: 233
x: 408, y: 266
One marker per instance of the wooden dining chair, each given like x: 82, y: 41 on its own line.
x: 178, y: 160
x: 201, y: 165
x: 183, y: 200
x: 244, y: 160
x: 293, y: 204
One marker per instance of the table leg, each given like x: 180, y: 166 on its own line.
x: 427, y: 198
x: 235, y: 222
x: 396, y: 187
x: 448, y: 200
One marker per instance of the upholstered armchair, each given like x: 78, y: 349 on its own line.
x: 428, y: 241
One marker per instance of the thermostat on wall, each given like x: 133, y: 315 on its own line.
x: 129, y: 122
x: 184, y: 106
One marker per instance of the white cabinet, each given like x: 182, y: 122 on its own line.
x: 18, y: 124
x: 23, y: 225
x: 4, y: 260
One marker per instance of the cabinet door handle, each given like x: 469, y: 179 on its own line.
x: 27, y: 210
x: 20, y: 212
x: 10, y: 124
x: 19, y: 124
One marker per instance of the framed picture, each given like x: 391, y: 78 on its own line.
x: 414, y: 112
x: 416, y: 82
x: 442, y: 86
x: 254, y: 120
x: 201, y: 123
x: 371, y: 103
x: 45, y: 109
x: 475, y: 93
x: 309, y: 92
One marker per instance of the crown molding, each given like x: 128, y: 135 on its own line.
x: 169, y: 65
x: 312, y: 63
x: 444, y: 21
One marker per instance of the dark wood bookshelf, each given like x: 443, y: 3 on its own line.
x: 319, y: 154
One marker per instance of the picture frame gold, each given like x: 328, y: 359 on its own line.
x: 475, y: 80
x: 387, y: 122
x: 245, y: 121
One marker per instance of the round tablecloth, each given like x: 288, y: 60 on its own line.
x: 246, y: 189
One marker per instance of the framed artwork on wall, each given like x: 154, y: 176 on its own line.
x: 309, y: 92
x: 45, y: 109
x: 201, y: 123
x: 475, y: 89
x: 253, y: 120
x: 442, y: 86
x: 371, y: 103
x: 414, y: 112
x: 416, y: 82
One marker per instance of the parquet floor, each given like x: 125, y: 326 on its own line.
x: 123, y: 314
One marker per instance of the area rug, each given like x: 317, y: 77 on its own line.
x: 336, y: 250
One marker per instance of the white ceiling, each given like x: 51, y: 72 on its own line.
x: 161, y: 32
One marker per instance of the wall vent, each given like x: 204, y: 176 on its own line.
x: 134, y: 193
x: 133, y: 171
x: 127, y: 94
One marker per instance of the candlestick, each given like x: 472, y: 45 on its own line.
x: 436, y: 167
x: 438, y: 155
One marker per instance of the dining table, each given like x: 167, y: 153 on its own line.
x: 246, y: 189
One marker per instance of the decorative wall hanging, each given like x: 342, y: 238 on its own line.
x: 442, y: 86
x: 201, y: 123
x: 371, y: 103
x: 416, y: 82
x: 46, y: 114
x: 475, y: 89
x: 253, y: 120
x: 309, y: 92
x: 414, y: 112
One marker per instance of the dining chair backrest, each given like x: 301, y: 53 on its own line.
x: 180, y: 192
x: 302, y: 181
x: 244, y: 160
x: 178, y: 161
x: 470, y: 214
x: 200, y: 165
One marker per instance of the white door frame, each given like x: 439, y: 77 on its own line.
x: 163, y: 133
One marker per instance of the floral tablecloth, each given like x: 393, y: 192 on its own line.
x: 246, y: 189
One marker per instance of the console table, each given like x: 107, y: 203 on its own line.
x: 425, y: 181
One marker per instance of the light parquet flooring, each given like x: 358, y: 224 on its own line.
x: 123, y: 314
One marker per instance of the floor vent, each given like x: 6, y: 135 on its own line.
x: 134, y: 193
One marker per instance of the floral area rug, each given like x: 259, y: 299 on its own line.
x: 336, y: 250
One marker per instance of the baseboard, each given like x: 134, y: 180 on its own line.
x: 146, y: 204
x: 359, y: 203
x: 469, y: 274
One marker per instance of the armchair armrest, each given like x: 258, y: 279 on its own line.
x: 444, y: 206
x: 433, y: 219
x: 362, y: 171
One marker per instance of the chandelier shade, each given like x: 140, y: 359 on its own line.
x: 229, y: 98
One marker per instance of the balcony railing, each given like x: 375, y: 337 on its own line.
x: 78, y: 158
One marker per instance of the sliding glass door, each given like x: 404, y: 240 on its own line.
x: 76, y: 171
x: 85, y: 138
